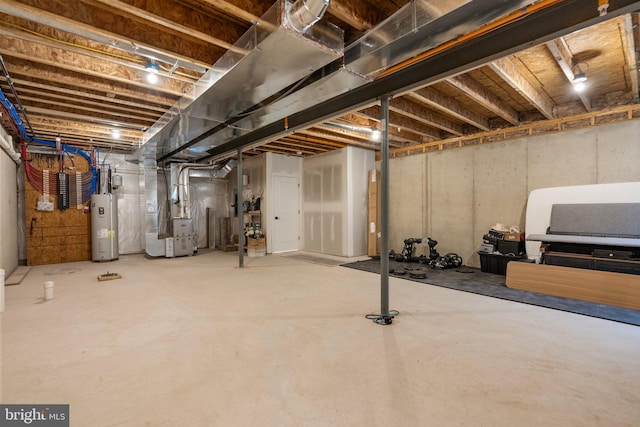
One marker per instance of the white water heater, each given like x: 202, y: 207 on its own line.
x: 104, y: 227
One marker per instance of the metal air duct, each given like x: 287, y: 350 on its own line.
x: 415, y: 28
x: 240, y: 84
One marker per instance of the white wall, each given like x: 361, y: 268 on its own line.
x: 359, y: 162
x: 8, y: 214
x: 334, y: 206
x: 455, y: 196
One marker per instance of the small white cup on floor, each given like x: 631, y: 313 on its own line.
x: 48, y: 290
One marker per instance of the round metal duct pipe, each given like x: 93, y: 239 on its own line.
x: 304, y: 13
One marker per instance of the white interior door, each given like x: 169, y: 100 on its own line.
x: 286, y: 228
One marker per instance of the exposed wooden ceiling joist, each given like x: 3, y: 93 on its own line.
x: 509, y: 70
x: 631, y: 34
x: 240, y: 13
x: 93, y: 32
x: 56, y: 77
x: 99, y: 111
x: 482, y: 96
x: 50, y: 90
x: 85, y: 118
x: 141, y: 13
x: 396, y: 120
x: 436, y: 99
x: 90, y: 53
x: 568, y: 65
x: 95, y: 67
x: 81, y: 64
x: 416, y: 112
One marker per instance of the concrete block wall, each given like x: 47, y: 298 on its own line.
x: 455, y: 196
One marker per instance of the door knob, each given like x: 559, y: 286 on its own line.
x: 277, y: 218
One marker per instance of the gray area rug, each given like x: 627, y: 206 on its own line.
x: 473, y: 280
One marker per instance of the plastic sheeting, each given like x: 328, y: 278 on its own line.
x: 205, y: 193
x: 212, y: 194
x: 130, y: 205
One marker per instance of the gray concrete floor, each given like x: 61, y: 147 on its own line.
x: 198, y: 342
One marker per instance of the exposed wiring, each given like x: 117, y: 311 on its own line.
x: 36, y: 177
x: 384, y: 318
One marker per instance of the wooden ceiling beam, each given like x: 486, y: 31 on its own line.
x: 348, y: 133
x: 114, y: 109
x: 70, y: 62
x: 49, y: 90
x: 320, y: 141
x: 436, y: 99
x: 630, y: 53
x: 427, y: 133
x: 509, y: 71
x: 565, y: 61
x: 108, y: 88
x: 327, y: 135
x: 358, y: 119
x: 305, y: 145
x: 77, y: 107
x: 286, y: 147
x: 93, y: 32
x: 397, y: 133
x: 133, y: 63
x: 148, y: 16
x: 358, y: 15
x: 87, y: 142
x: 87, y: 130
x: 87, y: 119
x: 418, y: 112
x: 482, y: 96
x: 239, y: 13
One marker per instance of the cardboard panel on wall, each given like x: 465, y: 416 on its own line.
x: 60, y: 235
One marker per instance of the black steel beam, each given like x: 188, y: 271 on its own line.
x: 530, y: 30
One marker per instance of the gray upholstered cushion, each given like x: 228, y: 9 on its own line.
x: 596, y: 219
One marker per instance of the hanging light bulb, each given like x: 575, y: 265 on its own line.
x: 152, y: 72
x: 579, y: 77
x: 115, y: 133
x: 375, y: 134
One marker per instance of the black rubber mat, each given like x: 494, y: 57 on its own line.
x: 469, y: 279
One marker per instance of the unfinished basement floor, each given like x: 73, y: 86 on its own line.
x: 199, y: 342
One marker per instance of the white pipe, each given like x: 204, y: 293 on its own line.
x: 6, y: 141
x: 183, y: 185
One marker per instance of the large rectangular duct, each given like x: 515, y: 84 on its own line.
x: 238, y: 84
x: 415, y: 28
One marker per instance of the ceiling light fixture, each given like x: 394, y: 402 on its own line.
x: 375, y: 134
x: 115, y: 133
x: 579, y: 77
x: 152, y: 70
